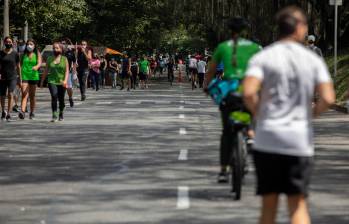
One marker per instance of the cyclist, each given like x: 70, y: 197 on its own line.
x: 234, y: 54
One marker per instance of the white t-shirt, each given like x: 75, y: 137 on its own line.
x: 289, y: 73
x: 193, y: 63
x: 201, y: 67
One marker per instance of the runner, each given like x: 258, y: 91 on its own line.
x: 135, y: 72
x: 70, y: 55
x: 126, y: 72
x: 193, y: 70
x: 95, y: 64
x: 83, y: 58
x: 201, y: 71
x: 30, y: 63
x: 113, y: 72
x: 10, y: 74
x: 57, y: 70
x: 144, y: 71
x: 235, y: 54
x: 278, y: 90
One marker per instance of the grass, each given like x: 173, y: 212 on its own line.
x: 342, y: 79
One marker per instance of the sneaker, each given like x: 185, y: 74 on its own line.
x: 32, y: 116
x: 83, y: 98
x: 71, y: 102
x: 223, y: 177
x: 61, y: 118
x: 3, y: 115
x: 8, y: 118
x: 15, y: 108
x: 54, y: 117
x: 21, y: 115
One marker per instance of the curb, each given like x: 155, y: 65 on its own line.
x: 340, y: 108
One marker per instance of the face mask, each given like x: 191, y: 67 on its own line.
x: 56, y: 53
x: 8, y: 46
x: 21, y: 48
x: 30, y: 48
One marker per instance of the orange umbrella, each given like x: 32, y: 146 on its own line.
x: 111, y: 51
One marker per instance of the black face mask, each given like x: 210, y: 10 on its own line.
x: 56, y: 53
x: 8, y: 46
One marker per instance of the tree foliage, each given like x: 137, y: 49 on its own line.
x: 167, y: 24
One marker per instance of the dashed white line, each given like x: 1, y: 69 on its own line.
x: 183, y: 201
x: 181, y: 116
x: 182, y: 101
x: 133, y: 102
x: 182, y: 131
x: 181, y: 107
x: 183, y: 155
x: 103, y: 103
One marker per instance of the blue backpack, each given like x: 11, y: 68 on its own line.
x: 219, y: 89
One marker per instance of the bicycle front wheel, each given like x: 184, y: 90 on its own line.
x: 238, y: 165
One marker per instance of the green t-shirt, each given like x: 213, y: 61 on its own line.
x: 244, y: 52
x: 143, y: 66
x: 28, y: 74
x: 56, y: 72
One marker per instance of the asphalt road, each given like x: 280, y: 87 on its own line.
x: 146, y: 156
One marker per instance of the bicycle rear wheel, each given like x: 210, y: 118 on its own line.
x: 238, y: 165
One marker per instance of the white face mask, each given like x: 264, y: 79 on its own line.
x: 21, y: 48
x: 30, y: 48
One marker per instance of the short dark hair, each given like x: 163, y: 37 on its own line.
x: 287, y: 21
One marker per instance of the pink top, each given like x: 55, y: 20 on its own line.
x: 95, y: 64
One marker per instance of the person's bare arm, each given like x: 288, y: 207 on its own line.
x: 210, y: 73
x: 66, y: 73
x: 326, y: 98
x: 38, y: 65
x: 251, y: 86
x: 19, y: 69
x: 44, y: 75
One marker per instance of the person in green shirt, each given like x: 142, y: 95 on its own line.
x: 57, y: 71
x: 235, y: 55
x: 30, y: 64
x: 143, y: 71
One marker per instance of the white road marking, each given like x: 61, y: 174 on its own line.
x: 183, y: 155
x: 181, y: 107
x: 183, y: 201
x: 103, y: 103
x: 182, y: 131
x: 192, y: 103
x: 182, y: 101
x: 181, y: 116
x: 133, y: 102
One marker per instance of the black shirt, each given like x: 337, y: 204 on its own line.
x: 82, y: 60
x: 8, y: 64
x: 71, y: 58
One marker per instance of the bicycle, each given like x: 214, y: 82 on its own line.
x: 226, y: 93
x: 240, y: 120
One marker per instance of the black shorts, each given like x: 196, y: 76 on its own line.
x: 125, y: 75
x: 282, y: 173
x: 31, y: 82
x: 193, y: 71
x: 142, y: 76
x: 9, y: 85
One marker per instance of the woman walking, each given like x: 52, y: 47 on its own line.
x: 30, y: 63
x: 113, y: 71
x: 9, y: 76
x: 57, y: 70
x: 95, y: 71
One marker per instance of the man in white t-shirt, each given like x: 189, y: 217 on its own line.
x: 278, y: 90
x: 201, y: 72
x: 193, y: 70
